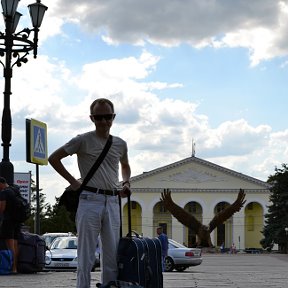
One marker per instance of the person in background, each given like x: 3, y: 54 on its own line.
x: 233, y: 249
x: 164, y: 244
x: 98, y: 209
x: 10, y: 229
x: 222, y: 247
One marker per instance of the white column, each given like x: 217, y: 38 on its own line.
x: 239, y: 229
x: 147, y: 223
x: 209, y: 214
x: 177, y: 231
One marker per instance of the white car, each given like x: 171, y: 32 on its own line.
x: 50, y: 237
x: 181, y: 257
x: 62, y: 254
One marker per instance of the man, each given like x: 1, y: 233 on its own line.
x: 164, y: 244
x: 97, y: 213
x: 10, y: 229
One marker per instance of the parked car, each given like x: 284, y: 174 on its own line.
x: 253, y: 250
x: 50, y: 237
x: 180, y: 257
x: 62, y: 254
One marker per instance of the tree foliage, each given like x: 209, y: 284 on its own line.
x: 276, y: 220
x: 52, y: 218
x: 58, y: 219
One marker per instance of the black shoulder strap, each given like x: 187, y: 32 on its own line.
x: 97, y: 162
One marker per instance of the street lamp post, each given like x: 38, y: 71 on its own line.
x: 15, y: 47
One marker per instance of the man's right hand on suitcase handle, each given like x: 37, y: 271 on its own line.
x: 125, y: 191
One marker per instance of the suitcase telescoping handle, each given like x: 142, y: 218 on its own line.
x: 129, y: 216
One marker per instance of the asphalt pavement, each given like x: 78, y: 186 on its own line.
x: 216, y: 270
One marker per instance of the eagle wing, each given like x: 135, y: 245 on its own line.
x: 226, y: 213
x: 179, y: 213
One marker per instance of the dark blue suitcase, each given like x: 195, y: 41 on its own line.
x: 118, y: 284
x: 139, y: 259
x: 31, y: 254
x: 154, y: 262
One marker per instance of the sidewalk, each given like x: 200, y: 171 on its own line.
x: 217, y: 270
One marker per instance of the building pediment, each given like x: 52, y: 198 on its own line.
x: 195, y: 173
x: 191, y: 176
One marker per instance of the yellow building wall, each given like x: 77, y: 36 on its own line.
x: 136, y: 218
x: 253, y: 225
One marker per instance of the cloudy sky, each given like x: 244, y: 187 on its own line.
x: 210, y: 71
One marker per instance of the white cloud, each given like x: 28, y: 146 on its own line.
x: 259, y: 25
x: 264, y: 42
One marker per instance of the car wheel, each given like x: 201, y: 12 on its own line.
x: 180, y: 268
x: 169, y: 264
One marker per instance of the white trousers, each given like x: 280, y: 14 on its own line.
x: 97, y: 214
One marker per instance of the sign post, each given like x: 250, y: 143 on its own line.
x: 36, y: 152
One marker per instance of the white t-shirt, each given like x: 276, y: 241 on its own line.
x: 88, y: 147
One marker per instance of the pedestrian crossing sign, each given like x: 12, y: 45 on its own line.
x: 36, y: 136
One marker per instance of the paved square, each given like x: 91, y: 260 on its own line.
x: 217, y: 270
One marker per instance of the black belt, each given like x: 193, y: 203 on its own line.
x: 113, y: 192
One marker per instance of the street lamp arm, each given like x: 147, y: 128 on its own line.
x: 21, y: 44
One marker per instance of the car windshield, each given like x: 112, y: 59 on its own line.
x: 50, y: 237
x: 64, y: 243
x: 174, y: 244
x: 49, y: 240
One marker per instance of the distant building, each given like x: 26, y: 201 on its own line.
x: 202, y: 188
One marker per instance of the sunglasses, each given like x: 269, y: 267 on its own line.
x: 107, y: 117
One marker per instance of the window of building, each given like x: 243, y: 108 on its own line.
x: 221, y: 206
x: 133, y: 204
x: 192, y: 207
x: 162, y: 208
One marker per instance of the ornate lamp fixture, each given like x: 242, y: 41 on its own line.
x: 14, y: 47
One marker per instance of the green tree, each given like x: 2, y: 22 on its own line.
x: 277, y: 217
x: 58, y: 219
x: 52, y: 218
x: 30, y: 223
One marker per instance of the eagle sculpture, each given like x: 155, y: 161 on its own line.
x: 202, y: 231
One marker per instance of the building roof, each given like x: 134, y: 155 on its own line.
x: 193, y: 172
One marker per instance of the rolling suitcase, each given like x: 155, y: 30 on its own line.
x: 31, y: 255
x: 118, y: 284
x: 139, y: 258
